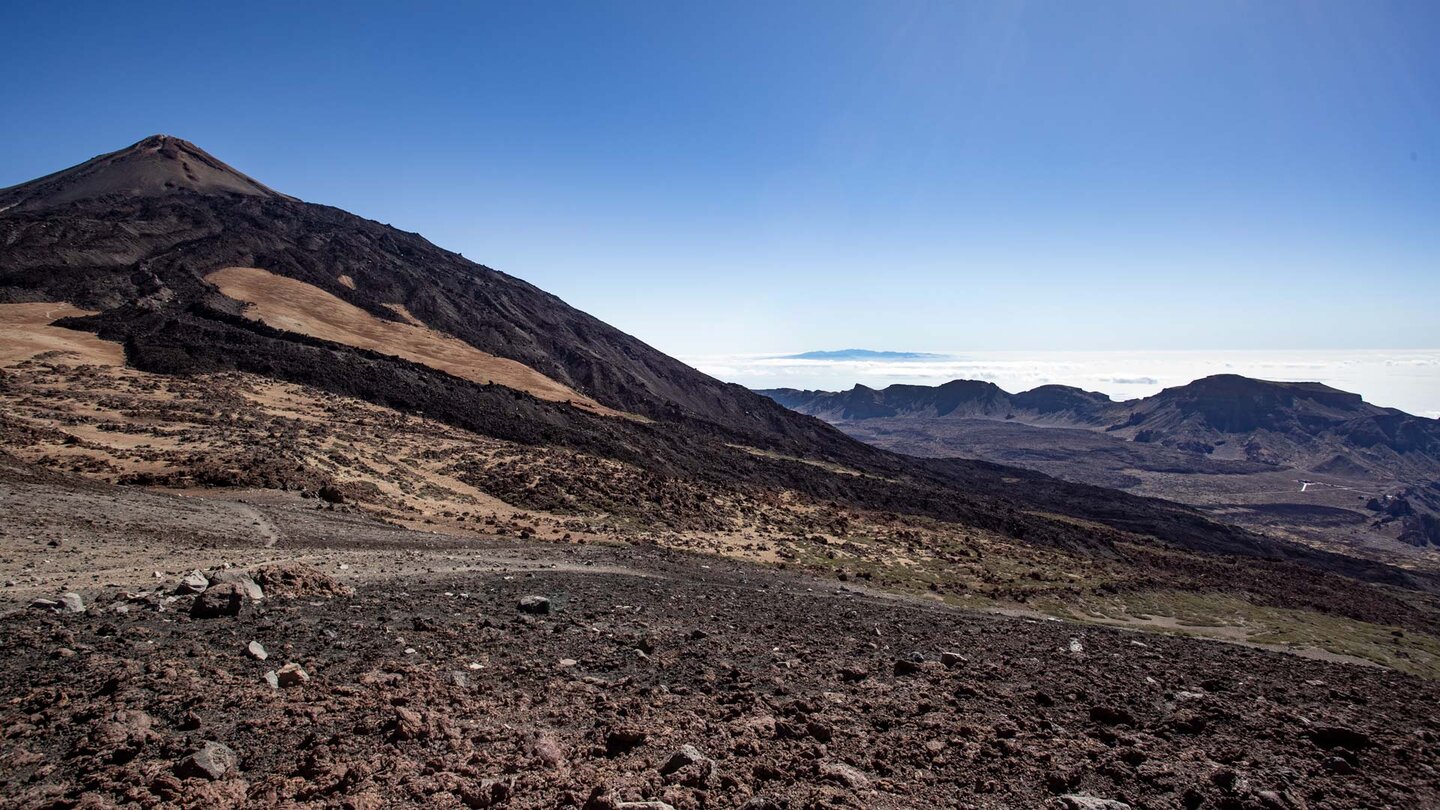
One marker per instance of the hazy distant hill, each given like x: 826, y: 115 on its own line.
x: 859, y: 354
x: 1226, y: 425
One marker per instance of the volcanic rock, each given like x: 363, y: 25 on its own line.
x: 291, y: 675
x: 247, y: 585
x: 193, y: 582
x: 227, y: 599
x: 212, y: 762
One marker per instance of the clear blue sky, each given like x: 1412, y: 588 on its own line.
x: 772, y: 176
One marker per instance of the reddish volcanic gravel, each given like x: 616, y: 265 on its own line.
x: 689, y: 683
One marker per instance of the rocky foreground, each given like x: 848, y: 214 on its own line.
x: 636, y: 678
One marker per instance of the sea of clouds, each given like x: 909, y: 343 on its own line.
x: 1408, y: 380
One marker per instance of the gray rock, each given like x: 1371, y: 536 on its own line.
x: 67, y: 603
x: 193, y: 582
x: 1074, y: 801
x: 256, y: 651
x: 212, y: 762
x: 220, y: 600
x: 535, y: 604
x: 951, y: 659
x: 273, y: 678
x: 688, y: 766
x: 247, y: 585
x: 842, y: 774
x: 291, y: 675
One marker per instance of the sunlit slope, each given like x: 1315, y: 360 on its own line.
x: 294, y: 306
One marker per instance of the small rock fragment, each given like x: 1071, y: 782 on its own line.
x: 407, y: 725
x: 291, y: 675
x: 256, y: 651
x: 535, y: 604
x: 1328, y: 737
x: 193, y: 582
x: 842, y: 774
x: 687, y: 766
x: 1075, y: 801
x: 212, y: 762
x: 620, y: 740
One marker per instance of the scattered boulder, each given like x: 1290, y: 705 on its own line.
x: 212, y: 762
x: 603, y: 798
x: 486, y: 792
x: 622, y: 739
x: 256, y: 651
x: 296, y: 580
x: 1111, y: 716
x: 193, y: 582
x: 538, y: 605
x: 291, y: 675
x: 687, y: 766
x: 951, y: 659
x: 407, y: 724
x: 1075, y: 801
x: 1329, y: 737
x: 67, y: 603
x: 547, y: 749
x: 842, y: 774
x: 247, y: 585
x: 222, y: 600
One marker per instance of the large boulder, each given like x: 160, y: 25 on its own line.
x: 252, y: 590
x: 226, y: 599
x: 67, y: 603
x: 193, y: 582
x: 292, y: 579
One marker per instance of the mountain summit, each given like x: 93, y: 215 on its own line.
x: 157, y: 165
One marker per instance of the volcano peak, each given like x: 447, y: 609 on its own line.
x: 155, y: 166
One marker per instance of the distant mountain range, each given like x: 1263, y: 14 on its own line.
x: 1221, y: 425
x: 860, y: 354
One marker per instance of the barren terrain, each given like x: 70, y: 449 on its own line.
x: 655, y: 676
x: 352, y: 524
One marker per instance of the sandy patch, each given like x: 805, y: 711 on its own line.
x: 26, y: 331
x: 294, y: 306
